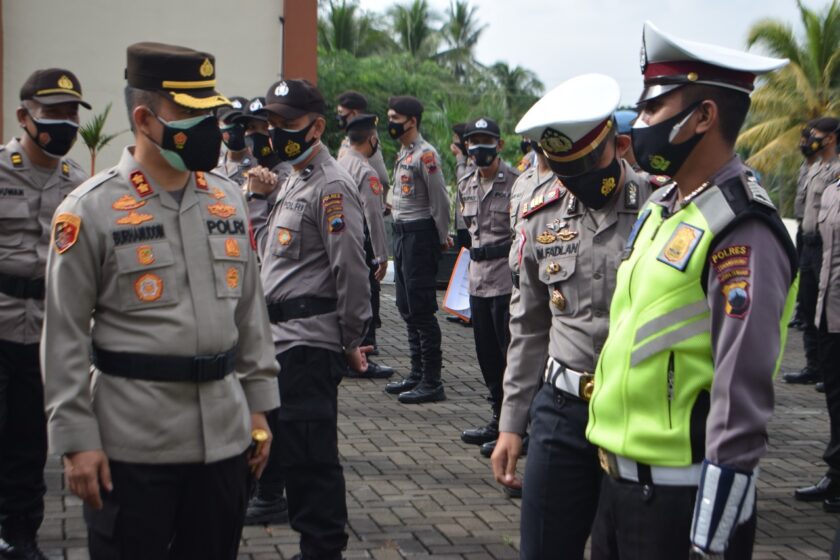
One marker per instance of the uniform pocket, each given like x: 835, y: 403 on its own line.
x: 14, y: 208
x: 286, y: 235
x: 558, y: 274
x: 146, y: 275
x: 229, y: 257
x: 12, y: 213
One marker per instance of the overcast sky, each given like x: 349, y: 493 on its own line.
x: 559, y: 39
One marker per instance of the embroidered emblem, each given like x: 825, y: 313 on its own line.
x: 222, y: 210
x: 430, y: 162
x: 737, y: 294
x: 180, y: 140
x: 127, y: 202
x: 232, y: 247
x: 141, y: 185
x: 66, y: 231
x: 148, y: 287
x: 65, y: 83
x: 134, y: 218
x: 232, y: 277
x: 555, y: 141
x: 336, y: 223
x: 145, y: 256
x: 206, y: 68
x: 217, y: 193
x: 677, y: 252
x: 375, y: 186
x: 200, y: 180
x: 284, y: 236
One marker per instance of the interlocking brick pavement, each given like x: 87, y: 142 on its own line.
x: 414, y: 490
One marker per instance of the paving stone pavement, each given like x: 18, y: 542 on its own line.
x: 414, y: 490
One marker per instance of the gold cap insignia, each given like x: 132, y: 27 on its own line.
x: 65, y: 83
x: 206, y: 68
x: 555, y: 142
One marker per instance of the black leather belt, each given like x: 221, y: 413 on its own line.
x: 21, y: 288
x: 148, y: 367
x: 300, y: 308
x: 490, y: 253
x: 414, y: 225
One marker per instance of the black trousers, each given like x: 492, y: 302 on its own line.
x: 490, y: 318
x: 830, y: 369
x: 562, y: 479
x: 23, y: 441
x: 171, y: 512
x: 635, y: 524
x: 376, y: 321
x: 810, y: 263
x: 416, y: 256
x: 305, y: 429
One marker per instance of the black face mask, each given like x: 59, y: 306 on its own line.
x: 596, y: 188
x: 653, y: 148
x: 54, y: 137
x: 341, y: 121
x: 811, y: 146
x: 374, y: 148
x: 191, y: 144
x: 396, y: 129
x: 260, y: 146
x: 525, y: 146
x: 233, y: 135
x: 483, y: 154
x: 292, y: 145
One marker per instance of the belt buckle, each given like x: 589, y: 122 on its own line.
x: 586, y: 385
x: 608, y: 463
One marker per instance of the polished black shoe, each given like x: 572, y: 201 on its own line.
x: 819, y: 387
x: 487, y: 449
x: 21, y: 550
x: 373, y: 371
x: 266, y: 512
x: 825, y: 489
x: 480, y: 436
x: 423, y: 393
x: 831, y: 505
x: 805, y: 377
x: 403, y: 385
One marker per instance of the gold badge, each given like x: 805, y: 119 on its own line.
x: 567, y: 234
x: 17, y: 160
x: 145, y: 256
x: 65, y: 168
x: 180, y: 139
x: 546, y: 237
x: 679, y: 245
x: 232, y: 277
x: 134, y: 218
x: 148, y: 287
x: 555, y: 141
x: 553, y: 268
x: 292, y: 149
x: 284, y: 236
x: 206, y: 68
x: 218, y: 194
x: 222, y: 210
x: 232, y: 247
x: 141, y: 185
x: 65, y: 83
x: 558, y: 299
x: 127, y: 202
x: 66, y: 231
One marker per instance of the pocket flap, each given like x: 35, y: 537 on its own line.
x: 557, y: 269
x: 13, y: 208
x: 154, y: 254
x: 229, y: 248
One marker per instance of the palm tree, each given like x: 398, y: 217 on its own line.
x: 461, y: 33
x: 807, y: 88
x: 93, y: 135
x: 412, y: 25
x: 343, y: 26
x: 520, y: 86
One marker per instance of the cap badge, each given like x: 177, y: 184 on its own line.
x: 236, y: 104
x: 481, y: 123
x: 255, y: 105
x: 65, y: 83
x: 281, y: 89
x: 692, y: 76
x: 206, y: 68
x: 555, y: 141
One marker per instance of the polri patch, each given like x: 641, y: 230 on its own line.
x: 375, y: 186
x: 679, y: 248
x: 66, y: 231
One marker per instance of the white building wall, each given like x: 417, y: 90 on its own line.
x: 89, y: 37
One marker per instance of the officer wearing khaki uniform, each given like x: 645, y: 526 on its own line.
x: 570, y: 240
x: 34, y: 178
x: 350, y: 105
x: 156, y: 252
x: 237, y: 160
x: 316, y: 285
x: 484, y: 198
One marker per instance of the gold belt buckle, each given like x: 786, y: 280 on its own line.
x: 586, y: 385
x: 608, y: 463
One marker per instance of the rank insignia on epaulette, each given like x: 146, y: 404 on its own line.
x: 631, y: 196
x: 541, y: 201
x: 677, y: 252
x: 200, y: 180
x: 141, y: 185
x: 65, y: 168
x: 17, y: 159
x: 218, y: 193
x: 571, y: 207
x: 222, y: 210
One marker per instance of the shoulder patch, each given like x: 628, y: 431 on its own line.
x: 756, y: 192
x: 429, y: 159
x: 66, y: 231
x: 541, y: 201
x: 375, y: 185
x: 679, y: 248
x: 737, y: 298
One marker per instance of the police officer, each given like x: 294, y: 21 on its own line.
x: 683, y: 388
x: 823, y: 141
x: 484, y: 199
x: 363, y: 144
x: 35, y: 176
x: 569, y: 241
x: 151, y: 267
x: 464, y: 166
x: 236, y: 160
x: 421, y: 232
x: 350, y: 105
x: 270, y: 168
x: 316, y: 284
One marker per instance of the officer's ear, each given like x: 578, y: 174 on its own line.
x: 501, y: 144
x: 622, y: 144
x: 706, y: 115
x: 142, y: 117
x: 319, y: 127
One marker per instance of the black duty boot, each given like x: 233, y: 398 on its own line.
x: 21, y: 550
x: 403, y: 385
x: 267, y: 507
x: 807, y: 376
x: 424, y: 392
x: 485, y: 434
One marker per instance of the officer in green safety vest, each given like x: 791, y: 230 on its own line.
x: 684, y: 384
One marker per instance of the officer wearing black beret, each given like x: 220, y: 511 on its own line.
x: 155, y: 254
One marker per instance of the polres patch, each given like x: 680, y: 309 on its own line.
x: 66, y: 231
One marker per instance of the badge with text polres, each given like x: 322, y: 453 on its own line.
x: 66, y: 231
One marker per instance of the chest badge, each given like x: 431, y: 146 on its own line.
x: 222, y: 210
x: 567, y: 234
x: 556, y: 225
x: 546, y: 237
x: 553, y: 268
x: 134, y: 219
x: 127, y: 202
x: 145, y: 255
x: 148, y: 287
x: 558, y: 299
x: 679, y: 248
x: 284, y: 236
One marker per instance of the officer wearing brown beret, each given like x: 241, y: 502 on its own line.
x: 35, y: 175
x: 152, y: 268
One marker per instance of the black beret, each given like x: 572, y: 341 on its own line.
x: 53, y: 86
x: 294, y: 98
x: 406, y: 105
x: 482, y: 126
x: 352, y: 100
x: 826, y: 124
x: 189, y: 76
x: 362, y: 122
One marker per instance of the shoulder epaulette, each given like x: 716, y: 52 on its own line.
x: 95, y: 181
x: 756, y: 192
x: 541, y: 201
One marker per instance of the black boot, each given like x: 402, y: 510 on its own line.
x: 267, y: 506
x: 374, y: 371
x: 403, y: 385
x: 484, y: 434
x: 18, y: 541
x: 808, y: 375
x: 425, y: 392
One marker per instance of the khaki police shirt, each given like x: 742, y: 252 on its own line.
x: 487, y: 217
x: 799, y: 199
x: 370, y: 193
x: 27, y: 205
x: 376, y: 161
x: 419, y: 187
x: 829, y: 227
x: 573, y: 251
x: 821, y: 174
x: 464, y: 166
x: 312, y: 245
x: 131, y: 270
x: 528, y: 185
